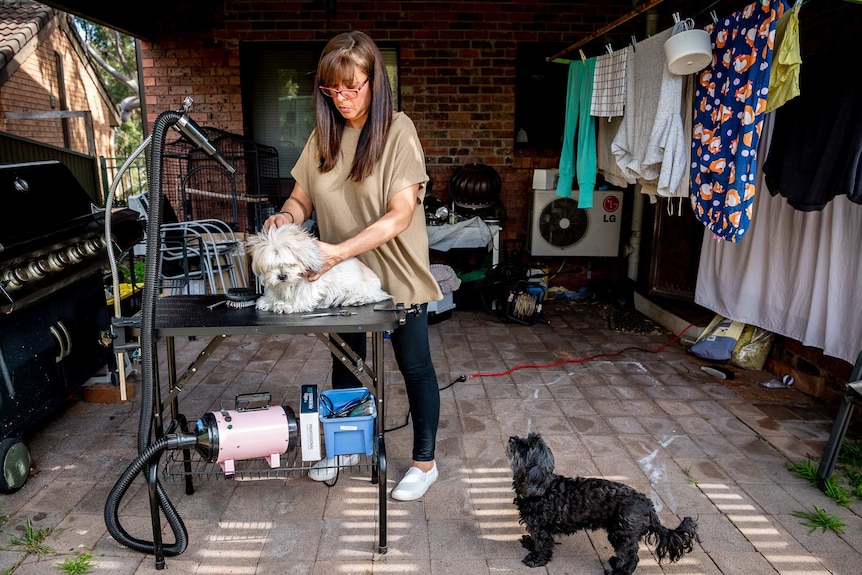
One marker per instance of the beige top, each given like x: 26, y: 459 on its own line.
x: 345, y: 207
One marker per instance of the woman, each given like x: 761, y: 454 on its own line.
x: 363, y: 173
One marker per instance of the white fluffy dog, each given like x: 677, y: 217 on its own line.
x: 281, y: 256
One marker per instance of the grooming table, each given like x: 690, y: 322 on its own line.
x: 197, y: 316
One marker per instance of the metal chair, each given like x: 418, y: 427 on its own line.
x: 198, y: 250
x: 213, y: 245
x: 181, y: 266
x: 852, y: 398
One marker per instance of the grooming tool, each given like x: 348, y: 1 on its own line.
x: 334, y: 313
x: 237, y: 298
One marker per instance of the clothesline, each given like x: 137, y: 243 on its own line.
x: 557, y: 58
x: 604, y: 29
x: 635, y: 150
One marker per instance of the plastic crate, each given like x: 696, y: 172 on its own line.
x: 347, y: 435
x: 444, y: 305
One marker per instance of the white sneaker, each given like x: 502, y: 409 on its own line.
x: 327, y: 469
x: 415, y: 483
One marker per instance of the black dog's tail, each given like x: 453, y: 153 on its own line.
x: 672, y: 544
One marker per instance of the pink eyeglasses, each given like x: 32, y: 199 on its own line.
x: 349, y: 94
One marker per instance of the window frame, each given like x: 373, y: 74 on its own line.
x: 267, y: 112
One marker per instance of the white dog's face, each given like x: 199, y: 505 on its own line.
x: 283, y: 255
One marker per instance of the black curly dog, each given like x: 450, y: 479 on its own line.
x: 550, y: 504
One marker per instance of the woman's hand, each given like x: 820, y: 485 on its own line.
x: 276, y: 220
x: 396, y: 219
x: 332, y: 256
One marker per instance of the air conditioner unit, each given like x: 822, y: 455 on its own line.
x: 560, y: 228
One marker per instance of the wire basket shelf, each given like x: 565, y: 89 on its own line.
x: 291, y: 465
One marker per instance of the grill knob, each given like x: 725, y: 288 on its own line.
x: 98, y: 243
x: 34, y: 270
x: 10, y: 281
x: 20, y: 275
x: 44, y: 265
x: 58, y: 260
x: 93, y: 245
x: 75, y: 253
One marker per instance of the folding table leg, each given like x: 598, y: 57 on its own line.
x: 852, y: 396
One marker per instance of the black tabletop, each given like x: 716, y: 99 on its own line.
x: 191, y: 315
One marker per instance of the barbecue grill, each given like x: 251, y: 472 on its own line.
x: 53, y: 310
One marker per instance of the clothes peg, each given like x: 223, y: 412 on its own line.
x: 714, y: 16
x: 676, y: 17
x: 583, y: 56
x: 609, y: 48
x: 634, y: 41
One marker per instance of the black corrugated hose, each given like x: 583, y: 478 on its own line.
x: 149, y: 372
x: 125, y: 481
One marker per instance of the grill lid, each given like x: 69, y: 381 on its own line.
x: 40, y: 201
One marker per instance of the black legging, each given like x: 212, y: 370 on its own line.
x: 413, y: 355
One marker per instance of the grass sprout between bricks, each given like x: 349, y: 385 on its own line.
x: 844, y: 485
x: 80, y: 564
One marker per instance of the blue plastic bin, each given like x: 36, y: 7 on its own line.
x: 347, y: 435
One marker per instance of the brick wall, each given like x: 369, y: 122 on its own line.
x: 458, y: 85
x: 34, y: 87
x: 815, y: 374
x: 457, y: 72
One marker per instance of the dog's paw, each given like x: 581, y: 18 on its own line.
x: 528, y: 543
x: 534, y: 560
x: 282, y: 307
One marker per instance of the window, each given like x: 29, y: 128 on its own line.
x: 540, y: 96
x: 278, y: 84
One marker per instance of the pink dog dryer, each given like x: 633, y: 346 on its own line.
x: 253, y: 429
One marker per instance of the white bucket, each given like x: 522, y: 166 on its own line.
x: 688, y: 52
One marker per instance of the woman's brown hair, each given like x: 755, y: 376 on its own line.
x: 340, y: 59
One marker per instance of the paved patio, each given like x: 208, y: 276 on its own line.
x: 652, y: 420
